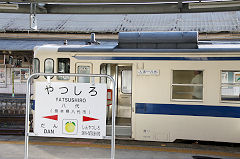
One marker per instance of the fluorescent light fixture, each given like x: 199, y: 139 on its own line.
x: 9, y: 6
x: 213, y: 5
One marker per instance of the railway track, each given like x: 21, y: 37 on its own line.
x: 12, y: 124
x: 11, y: 131
x: 12, y: 114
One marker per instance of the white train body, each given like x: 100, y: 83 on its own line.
x: 155, y: 99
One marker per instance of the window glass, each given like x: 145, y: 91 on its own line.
x: 187, y: 84
x: 230, y: 85
x: 84, y: 70
x: 36, y: 66
x: 126, y: 81
x: 49, y: 66
x: 103, y: 71
x: 63, y: 67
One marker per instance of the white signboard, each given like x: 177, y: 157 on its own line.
x: 75, y: 110
x: 147, y: 72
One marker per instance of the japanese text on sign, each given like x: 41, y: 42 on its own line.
x: 70, y: 110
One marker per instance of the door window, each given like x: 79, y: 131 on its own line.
x: 126, y: 81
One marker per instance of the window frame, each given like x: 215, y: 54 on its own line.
x: 64, y: 70
x: 122, y: 82
x: 227, y: 84
x: 36, y: 59
x: 88, y: 66
x: 45, y: 67
x: 186, y: 100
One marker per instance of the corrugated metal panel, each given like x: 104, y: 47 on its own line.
x: 202, y: 22
x: 16, y: 22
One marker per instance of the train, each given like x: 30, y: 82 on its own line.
x: 169, y: 85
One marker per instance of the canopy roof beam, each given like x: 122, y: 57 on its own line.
x: 155, y: 8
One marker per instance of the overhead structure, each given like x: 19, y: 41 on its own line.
x: 113, y: 1
x: 117, y: 6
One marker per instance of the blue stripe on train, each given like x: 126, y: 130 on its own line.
x: 188, y: 110
x: 159, y: 58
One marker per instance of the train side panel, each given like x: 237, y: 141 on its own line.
x: 157, y: 117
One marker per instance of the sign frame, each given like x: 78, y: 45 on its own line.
x: 28, y: 94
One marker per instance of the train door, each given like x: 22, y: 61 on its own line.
x: 124, y: 95
x: 122, y: 74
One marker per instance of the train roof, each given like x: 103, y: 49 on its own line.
x: 155, y: 42
x: 217, y: 47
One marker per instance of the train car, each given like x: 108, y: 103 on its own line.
x: 169, y: 85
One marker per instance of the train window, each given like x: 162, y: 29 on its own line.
x: 126, y: 81
x: 187, y: 85
x: 230, y: 85
x: 83, y: 70
x: 63, y: 67
x: 36, y: 66
x: 49, y: 66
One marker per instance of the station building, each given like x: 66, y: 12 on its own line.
x: 17, y: 40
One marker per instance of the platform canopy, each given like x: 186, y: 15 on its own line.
x: 118, y: 6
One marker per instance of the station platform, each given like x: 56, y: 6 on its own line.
x: 12, y: 147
